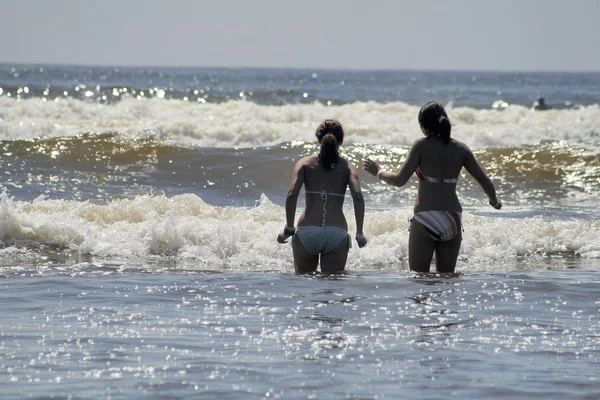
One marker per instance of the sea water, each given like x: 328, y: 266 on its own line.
x: 139, y: 209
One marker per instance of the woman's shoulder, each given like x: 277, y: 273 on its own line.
x: 461, y: 145
x: 312, y: 159
x: 422, y: 143
x: 344, y: 163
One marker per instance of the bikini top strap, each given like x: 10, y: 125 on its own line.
x: 434, y: 180
x: 324, y: 194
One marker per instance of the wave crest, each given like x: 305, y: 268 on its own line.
x: 246, y: 124
x: 185, y: 228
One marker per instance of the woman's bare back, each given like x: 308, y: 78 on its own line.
x: 324, y: 188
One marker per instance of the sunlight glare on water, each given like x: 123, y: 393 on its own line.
x: 179, y: 334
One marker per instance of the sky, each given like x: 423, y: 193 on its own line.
x: 510, y: 35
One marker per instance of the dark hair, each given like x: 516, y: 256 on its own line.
x: 330, y: 134
x: 434, y: 121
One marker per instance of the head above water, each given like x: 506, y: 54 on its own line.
x: 330, y: 135
x: 434, y: 121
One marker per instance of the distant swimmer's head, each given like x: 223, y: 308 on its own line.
x: 434, y: 121
x: 330, y: 135
x: 540, y: 104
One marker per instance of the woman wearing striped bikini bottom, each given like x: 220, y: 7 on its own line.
x: 437, y: 161
x: 322, y: 235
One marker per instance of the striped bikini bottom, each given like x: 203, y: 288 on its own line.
x: 441, y: 225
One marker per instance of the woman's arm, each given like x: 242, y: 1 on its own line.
x: 291, y: 201
x: 359, y: 205
x: 406, y: 170
x: 473, y: 168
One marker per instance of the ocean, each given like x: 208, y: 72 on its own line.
x: 139, y: 210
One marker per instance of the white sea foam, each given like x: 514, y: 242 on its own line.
x: 241, y: 239
x: 246, y: 124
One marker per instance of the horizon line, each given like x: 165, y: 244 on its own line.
x: 358, y: 69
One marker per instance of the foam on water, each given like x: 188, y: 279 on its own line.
x: 184, y: 228
x: 246, y: 124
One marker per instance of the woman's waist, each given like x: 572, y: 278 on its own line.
x: 438, y: 200
x: 316, y: 219
x: 326, y: 228
x: 451, y: 206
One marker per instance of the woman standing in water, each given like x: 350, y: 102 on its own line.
x: 322, y: 228
x: 437, y: 161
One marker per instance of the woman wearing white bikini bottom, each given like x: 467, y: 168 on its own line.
x: 437, y: 161
x: 322, y: 231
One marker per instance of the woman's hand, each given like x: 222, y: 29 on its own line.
x: 361, y: 240
x: 283, y: 237
x: 287, y: 232
x: 497, y: 204
x: 371, y: 166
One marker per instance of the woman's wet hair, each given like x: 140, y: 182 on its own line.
x: 434, y: 121
x: 330, y: 134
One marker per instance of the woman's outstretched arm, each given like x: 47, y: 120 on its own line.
x: 406, y: 170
